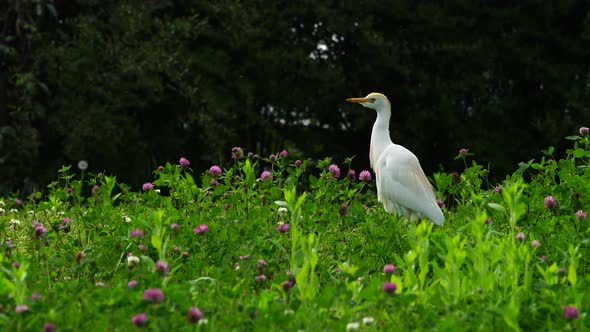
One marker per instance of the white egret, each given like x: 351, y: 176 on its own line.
x: 402, y: 186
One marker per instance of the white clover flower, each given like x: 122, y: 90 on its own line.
x: 203, y: 321
x: 282, y: 210
x: 288, y: 312
x: 2, y: 211
x: 157, y: 191
x: 2, y: 203
x: 83, y: 165
x: 126, y: 218
x: 353, y: 326
x: 132, y: 261
x: 13, y: 210
x: 61, y: 213
x: 368, y: 320
x: 31, y: 212
x: 15, y: 221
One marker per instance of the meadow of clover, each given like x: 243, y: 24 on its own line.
x: 277, y: 244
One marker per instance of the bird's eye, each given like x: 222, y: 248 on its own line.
x: 372, y: 100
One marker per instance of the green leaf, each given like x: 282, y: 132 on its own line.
x: 497, y: 207
x: 157, y: 242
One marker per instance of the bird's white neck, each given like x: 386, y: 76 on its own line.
x: 380, y: 139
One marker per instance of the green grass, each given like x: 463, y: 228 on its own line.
x: 471, y: 274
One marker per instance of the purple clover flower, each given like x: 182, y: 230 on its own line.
x: 237, y: 152
x: 283, y: 153
x: 184, y: 162
x: 201, y: 229
x: 283, y: 228
x: 535, y: 243
x: 389, y: 269
x: 287, y: 285
x: 174, y: 227
x: 265, y: 175
x: 139, y: 320
x: 40, y: 230
x: 213, y: 183
x: 463, y: 152
x: 21, y: 308
x: 95, y: 188
x: 550, y: 202
x: 215, y: 171
x: 147, y: 186
x: 142, y: 247
x: 153, y: 294
x: 584, y: 131
x: 49, y: 327
x: 261, y: 277
x: 131, y: 284
x: 334, y: 170
x: 136, y: 233
x: 498, y: 189
x: 365, y: 176
x: 194, y: 315
x: 389, y: 287
x: 351, y: 175
x: 520, y: 236
x: 298, y: 163
x: 272, y: 157
x: 581, y: 215
x: 162, y: 267
x: 570, y: 312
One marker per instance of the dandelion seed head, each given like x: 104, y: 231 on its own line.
x: 83, y: 165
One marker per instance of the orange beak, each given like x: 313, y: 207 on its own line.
x: 358, y: 100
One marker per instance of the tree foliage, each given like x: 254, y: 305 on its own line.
x: 128, y: 85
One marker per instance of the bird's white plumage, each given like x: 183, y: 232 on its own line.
x: 402, y: 186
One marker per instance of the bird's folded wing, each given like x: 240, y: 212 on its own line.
x: 403, y: 182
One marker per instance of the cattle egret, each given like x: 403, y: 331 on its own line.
x: 402, y: 186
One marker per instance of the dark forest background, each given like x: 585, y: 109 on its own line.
x: 130, y: 85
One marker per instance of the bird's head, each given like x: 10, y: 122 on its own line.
x: 374, y: 100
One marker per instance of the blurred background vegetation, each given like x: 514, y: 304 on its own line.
x: 129, y: 85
